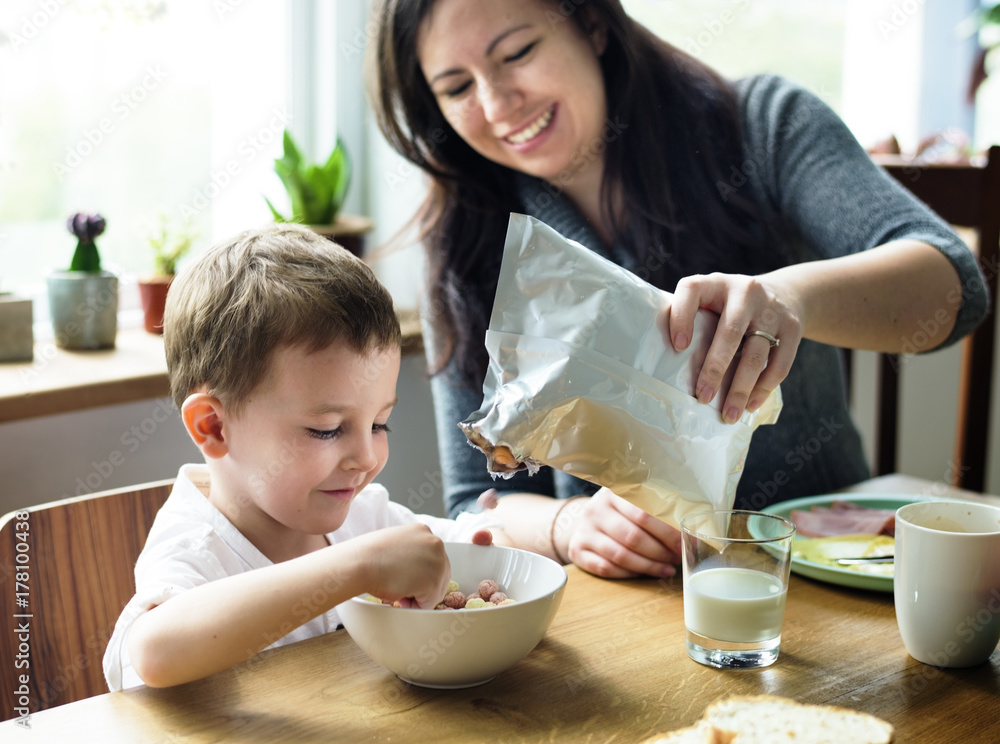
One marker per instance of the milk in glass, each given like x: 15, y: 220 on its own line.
x: 738, y: 605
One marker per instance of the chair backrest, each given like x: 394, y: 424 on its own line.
x: 965, y: 196
x: 66, y: 573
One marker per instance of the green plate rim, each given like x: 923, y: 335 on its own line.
x: 833, y: 574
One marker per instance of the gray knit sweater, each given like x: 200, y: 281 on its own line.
x: 803, y: 168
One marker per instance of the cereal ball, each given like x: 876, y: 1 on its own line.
x: 476, y: 602
x: 504, y: 457
x: 487, y: 587
x: 452, y: 587
x: 498, y: 598
x: 474, y: 595
x: 509, y: 601
x: 371, y: 598
x: 455, y: 600
x: 441, y: 606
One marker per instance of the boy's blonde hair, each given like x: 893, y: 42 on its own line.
x: 282, y: 285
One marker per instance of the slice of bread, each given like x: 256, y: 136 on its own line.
x: 767, y: 719
x: 701, y: 733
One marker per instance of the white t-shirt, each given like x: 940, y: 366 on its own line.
x: 192, y: 543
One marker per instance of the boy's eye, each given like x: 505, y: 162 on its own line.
x: 520, y: 53
x: 334, y: 433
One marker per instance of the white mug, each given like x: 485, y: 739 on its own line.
x: 947, y: 581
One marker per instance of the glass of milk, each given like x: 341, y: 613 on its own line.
x: 736, y: 567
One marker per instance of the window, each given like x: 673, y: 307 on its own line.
x: 133, y: 108
x: 886, y: 66
x: 740, y: 37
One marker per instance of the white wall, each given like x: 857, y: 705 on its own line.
x: 55, y: 457
x: 928, y: 406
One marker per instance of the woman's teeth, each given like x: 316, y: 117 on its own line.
x: 532, y: 130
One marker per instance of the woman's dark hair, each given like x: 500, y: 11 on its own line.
x: 681, y: 137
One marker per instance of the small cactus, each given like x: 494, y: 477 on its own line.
x: 86, y: 227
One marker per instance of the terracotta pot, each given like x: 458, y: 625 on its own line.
x: 153, y: 293
x: 348, y: 231
x: 84, y: 309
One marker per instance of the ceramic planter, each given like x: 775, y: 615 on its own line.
x: 84, y: 309
x: 153, y: 293
x: 17, y: 339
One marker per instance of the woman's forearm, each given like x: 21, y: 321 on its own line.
x: 528, y: 523
x: 903, y: 296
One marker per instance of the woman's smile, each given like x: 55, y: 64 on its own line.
x: 532, y: 130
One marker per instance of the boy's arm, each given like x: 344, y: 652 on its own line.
x: 216, y: 625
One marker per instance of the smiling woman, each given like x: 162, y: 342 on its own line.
x: 747, y: 196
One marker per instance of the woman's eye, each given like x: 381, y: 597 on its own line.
x: 324, y: 433
x: 381, y: 428
x: 457, y: 90
x: 520, y: 53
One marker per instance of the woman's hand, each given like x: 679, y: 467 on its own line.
x: 615, y: 539
x: 744, y: 304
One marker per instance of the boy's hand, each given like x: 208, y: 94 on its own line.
x: 409, y: 565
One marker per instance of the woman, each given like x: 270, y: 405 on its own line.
x: 750, y: 198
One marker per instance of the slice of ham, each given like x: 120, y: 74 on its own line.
x: 843, y: 518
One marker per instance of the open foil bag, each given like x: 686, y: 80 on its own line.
x: 580, y: 379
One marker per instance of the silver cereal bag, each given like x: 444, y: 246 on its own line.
x: 580, y: 379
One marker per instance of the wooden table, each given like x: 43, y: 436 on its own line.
x: 612, y: 668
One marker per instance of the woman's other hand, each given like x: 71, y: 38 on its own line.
x: 615, y: 539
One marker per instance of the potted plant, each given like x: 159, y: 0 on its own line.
x: 17, y: 339
x: 317, y: 192
x: 169, y: 244
x: 83, y: 300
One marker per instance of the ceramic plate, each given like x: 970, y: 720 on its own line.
x: 841, y: 574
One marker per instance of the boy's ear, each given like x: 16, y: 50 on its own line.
x: 203, y: 416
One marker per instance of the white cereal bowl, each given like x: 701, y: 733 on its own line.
x: 463, y: 648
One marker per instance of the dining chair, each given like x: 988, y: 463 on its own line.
x: 66, y: 573
x: 967, y: 196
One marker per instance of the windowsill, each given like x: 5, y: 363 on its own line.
x: 60, y: 380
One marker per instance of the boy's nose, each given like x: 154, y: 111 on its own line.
x: 363, y: 455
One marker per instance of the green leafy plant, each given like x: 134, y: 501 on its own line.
x: 170, y: 243
x: 316, y: 191
x: 86, y: 228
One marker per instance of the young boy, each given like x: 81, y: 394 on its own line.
x: 283, y: 351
